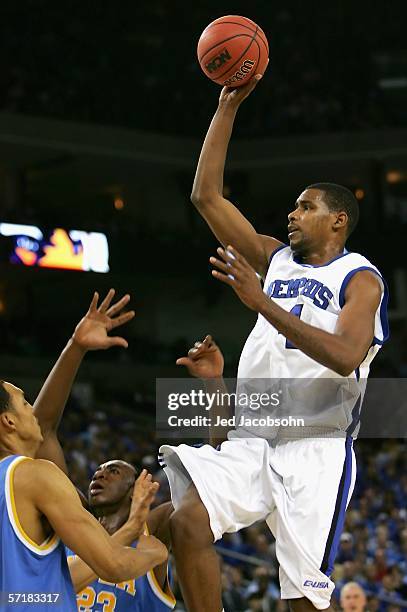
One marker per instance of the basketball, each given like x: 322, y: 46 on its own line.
x: 232, y: 49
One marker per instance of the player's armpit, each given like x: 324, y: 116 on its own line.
x: 231, y: 227
x: 357, y: 319
x: 54, y: 496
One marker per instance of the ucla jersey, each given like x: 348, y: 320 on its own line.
x: 315, y: 294
x: 143, y: 594
x: 32, y: 575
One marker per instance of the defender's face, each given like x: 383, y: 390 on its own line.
x: 111, y: 484
x: 353, y: 599
x: 22, y: 415
x: 310, y: 222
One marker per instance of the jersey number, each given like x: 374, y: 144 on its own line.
x: 86, y: 600
x: 296, y: 311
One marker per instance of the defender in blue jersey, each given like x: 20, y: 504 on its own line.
x: 110, y: 499
x: 116, y: 479
x: 39, y: 506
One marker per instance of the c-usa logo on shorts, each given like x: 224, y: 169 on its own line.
x: 315, y: 584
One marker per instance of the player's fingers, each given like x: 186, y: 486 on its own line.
x: 183, y: 361
x: 118, y: 306
x: 106, y: 302
x: 117, y: 341
x: 234, y: 255
x: 94, y: 302
x: 122, y: 319
x: 228, y: 279
x: 141, y: 477
x: 223, y: 266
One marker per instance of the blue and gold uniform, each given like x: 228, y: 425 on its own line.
x: 143, y: 594
x: 32, y: 576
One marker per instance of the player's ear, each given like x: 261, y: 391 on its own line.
x: 8, y: 421
x: 340, y: 220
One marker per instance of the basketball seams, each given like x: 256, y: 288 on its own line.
x: 264, y: 40
x: 219, y: 44
x: 253, y: 38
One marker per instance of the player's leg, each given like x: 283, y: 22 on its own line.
x: 196, y: 560
x: 230, y: 492
x: 314, y: 484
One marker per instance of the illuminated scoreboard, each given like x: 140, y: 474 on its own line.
x: 56, y: 248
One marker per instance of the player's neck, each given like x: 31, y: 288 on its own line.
x: 113, y: 517
x: 18, y: 447
x: 320, y: 254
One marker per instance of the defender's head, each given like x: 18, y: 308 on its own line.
x: 324, y: 213
x: 19, y: 427
x: 112, y: 484
x: 352, y: 598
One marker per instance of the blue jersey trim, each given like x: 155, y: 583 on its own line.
x: 383, y: 307
x: 280, y: 248
x: 328, y: 263
x: 338, y: 520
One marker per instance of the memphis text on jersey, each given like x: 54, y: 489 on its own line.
x: 319, y: 293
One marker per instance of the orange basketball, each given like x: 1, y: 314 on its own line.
x: 232, y: 49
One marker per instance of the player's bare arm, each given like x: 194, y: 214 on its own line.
x: 205, y: 360
x: 41, y: 491
x: 149, y: 547
x: 342, y: 351
x: 225, y: 220
x: 91, y: 333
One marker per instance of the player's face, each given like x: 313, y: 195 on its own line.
x: 310, y: 223
x: 353, y: 599
x: 22, y: 415
x: 111, y: 484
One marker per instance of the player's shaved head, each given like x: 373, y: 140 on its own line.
x: 112, y: 484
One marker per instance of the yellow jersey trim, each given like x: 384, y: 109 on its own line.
x: 51, y: 542
x: 167, y: 595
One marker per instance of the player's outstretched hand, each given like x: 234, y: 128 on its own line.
x: 204, y: 360
x: 235, y: 271
x: 143, y: 496
x: 234, y: 96
x: 92, y: 331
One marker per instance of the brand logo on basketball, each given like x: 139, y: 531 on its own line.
x: 244, y: 69
x: 216, y: 62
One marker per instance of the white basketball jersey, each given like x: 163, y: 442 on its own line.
x: 315, y: 294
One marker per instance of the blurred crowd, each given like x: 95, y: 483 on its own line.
x: 136, y: 67
x: 373, y: 545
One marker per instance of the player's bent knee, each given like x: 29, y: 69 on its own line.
x: 191, y: 523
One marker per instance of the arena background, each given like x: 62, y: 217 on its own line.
x: 103, y: 112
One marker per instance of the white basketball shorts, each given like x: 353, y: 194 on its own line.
x: 300, y: 487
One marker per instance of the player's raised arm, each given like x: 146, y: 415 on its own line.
x: 225, y: 220
x: 55, y: 497
x: 91, y: 333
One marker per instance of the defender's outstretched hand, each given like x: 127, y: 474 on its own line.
x: 143, y: 496
x: 235, y: 271
x: 204, y: 360
x: 91, y: 333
